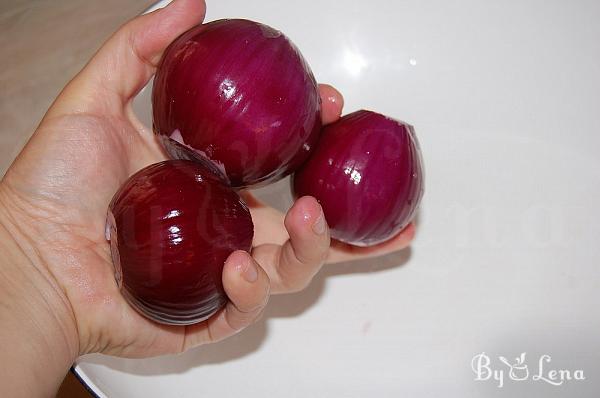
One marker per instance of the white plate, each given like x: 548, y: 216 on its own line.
x: 505, y: 98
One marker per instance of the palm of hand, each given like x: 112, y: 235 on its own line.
x: 63, y: 182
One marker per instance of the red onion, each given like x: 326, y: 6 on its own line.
x: 240, y: 94
x: 367, y: 173
x: 172, y: 226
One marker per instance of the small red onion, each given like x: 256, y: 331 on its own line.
x: 240, y: 94
x: 367, y: 174
x: 172, y: 226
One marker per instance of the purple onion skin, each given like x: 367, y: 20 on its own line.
x: 367, y: 174
x: 172, y: 226
x: 241, y: 94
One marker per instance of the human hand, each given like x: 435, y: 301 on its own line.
x: 53, y: 201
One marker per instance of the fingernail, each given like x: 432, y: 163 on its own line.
x: 319, y: 225
x: 248, y: 271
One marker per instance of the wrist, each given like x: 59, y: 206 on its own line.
x: 38, y: 333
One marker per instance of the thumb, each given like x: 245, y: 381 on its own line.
x: 125, y: 63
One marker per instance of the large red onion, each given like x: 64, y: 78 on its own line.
x: 172, y: 226
x: 239, y: 93
x: 367, y: 173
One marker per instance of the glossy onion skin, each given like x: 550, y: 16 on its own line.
x: 172, y: 226
x: 241, y: 94
x: 367, y: 174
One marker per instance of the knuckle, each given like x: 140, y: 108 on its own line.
x: 310, y: 256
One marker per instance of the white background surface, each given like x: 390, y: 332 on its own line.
x: 505, y: 100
